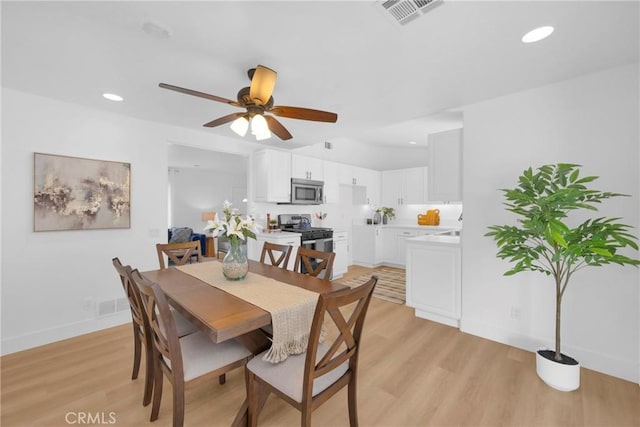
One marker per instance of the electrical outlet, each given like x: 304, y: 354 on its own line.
x: 87, y: 304
x: 515, y: 313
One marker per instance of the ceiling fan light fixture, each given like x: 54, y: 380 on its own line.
x: 262, y: 83
x: 259, y: 127
x: 240, y: 126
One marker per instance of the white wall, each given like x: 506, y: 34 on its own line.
x: 194, y: 191
x: 593, y: 121
x: 47, y: 276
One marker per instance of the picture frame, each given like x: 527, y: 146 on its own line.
x: 73, y: 193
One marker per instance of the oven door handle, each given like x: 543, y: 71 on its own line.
x: 308, y: 242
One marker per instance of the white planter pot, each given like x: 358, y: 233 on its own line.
x: 558, y: 375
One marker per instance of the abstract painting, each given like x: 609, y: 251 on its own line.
x: 72, y: 193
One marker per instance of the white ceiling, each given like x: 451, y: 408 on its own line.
x: 385, y: 81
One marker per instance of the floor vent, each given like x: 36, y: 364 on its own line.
x: 405, y: 11
x: 112, y: 306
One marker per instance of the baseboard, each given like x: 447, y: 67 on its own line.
x: 628, y: 370
x: 47, y: 336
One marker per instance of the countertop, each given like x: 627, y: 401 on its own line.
x: 413, y: 226
x: 435, y: 238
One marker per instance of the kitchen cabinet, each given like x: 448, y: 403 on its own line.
x: 254, y: 246
x: 341, y: 249
x: 367, y: 245
x: 272, y: 176
x: 433, y: 278
x: 304, y: 167
x: 445, y: 166
x: 345, y: 174
x: 370, y: 179
x: 394, y: 243
x: 331, y: 182
x: 404, y: 186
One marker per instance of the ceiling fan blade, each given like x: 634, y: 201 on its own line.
x: 222, y: 120
x: 304, y: 114
x: 277, y: 128
x: 262, y: 84
x: 199, y: 94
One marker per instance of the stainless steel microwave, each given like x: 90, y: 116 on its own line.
x: 306, y: 191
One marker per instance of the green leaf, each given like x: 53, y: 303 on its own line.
x: 601, y: 251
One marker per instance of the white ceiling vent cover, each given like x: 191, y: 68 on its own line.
x: 405, y: 11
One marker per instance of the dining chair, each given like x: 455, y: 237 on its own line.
x: 314, y: 263
x: 308, y: 380
x: 178, y: 253
x: 140, y: 328
x: 181, y: 360
x: 270, y: 249
x: 141, y: 336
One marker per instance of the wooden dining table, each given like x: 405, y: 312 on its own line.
x: 223, y: 316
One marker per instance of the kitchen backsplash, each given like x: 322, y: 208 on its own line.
x: 340, y: 216
x: 408, y: 214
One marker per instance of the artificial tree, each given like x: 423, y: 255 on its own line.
x: 545, y: 241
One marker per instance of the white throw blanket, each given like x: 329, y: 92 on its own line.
x: 291, y: 307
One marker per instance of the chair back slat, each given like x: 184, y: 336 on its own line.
x: 132, y: 293
x: 348, y: 336
x: 314, y: 262
x: 178, y: 253
x: 270, y: 248
x: 162, y: 325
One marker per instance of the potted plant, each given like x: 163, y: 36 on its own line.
x: 386, y: 212
x: 545, y: 240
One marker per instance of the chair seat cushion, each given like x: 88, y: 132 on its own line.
x: 200, y: 355
x: 287, y: 376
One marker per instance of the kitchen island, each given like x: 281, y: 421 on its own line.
x: 433, y: 271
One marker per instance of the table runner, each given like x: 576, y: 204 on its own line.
x: 291, y: 308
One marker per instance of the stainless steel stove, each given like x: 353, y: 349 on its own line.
x: 318, y: 238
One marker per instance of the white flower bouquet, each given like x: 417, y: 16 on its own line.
x: 233, y: 226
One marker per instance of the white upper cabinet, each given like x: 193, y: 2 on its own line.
x: 370, y: 179
x: 304, y: 167
x: 404, y: 186
x: 272, y: 176
x: 331, y: 182
x: 345, y: 174
x: 445, y: 166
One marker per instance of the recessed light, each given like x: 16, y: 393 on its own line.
x: 537, y: 34
x: 112, y: 97
x: 412, y: 142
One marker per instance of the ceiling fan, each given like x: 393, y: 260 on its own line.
x: 257, y: 100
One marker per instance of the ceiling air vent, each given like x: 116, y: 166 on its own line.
x: 405, y: 11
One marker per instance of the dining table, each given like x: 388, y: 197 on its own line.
x: 223, y: 316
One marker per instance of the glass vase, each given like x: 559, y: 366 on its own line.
x: 235, y: 265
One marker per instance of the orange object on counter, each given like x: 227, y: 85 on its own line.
x: 432, y: 217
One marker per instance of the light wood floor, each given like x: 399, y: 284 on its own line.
x: 413, y: 372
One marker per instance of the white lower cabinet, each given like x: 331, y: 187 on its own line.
x: 434, y: 278
x: 367, y: 245
x: 341, y: 249
x: 254, y: 247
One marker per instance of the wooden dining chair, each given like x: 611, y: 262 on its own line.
x: 282, y: 260
x: 178, y: 253
x: 140, y: 328
x: 308, y: 380
x: 181, y: 360
x: 141, y: 336
x: 314, y: 263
